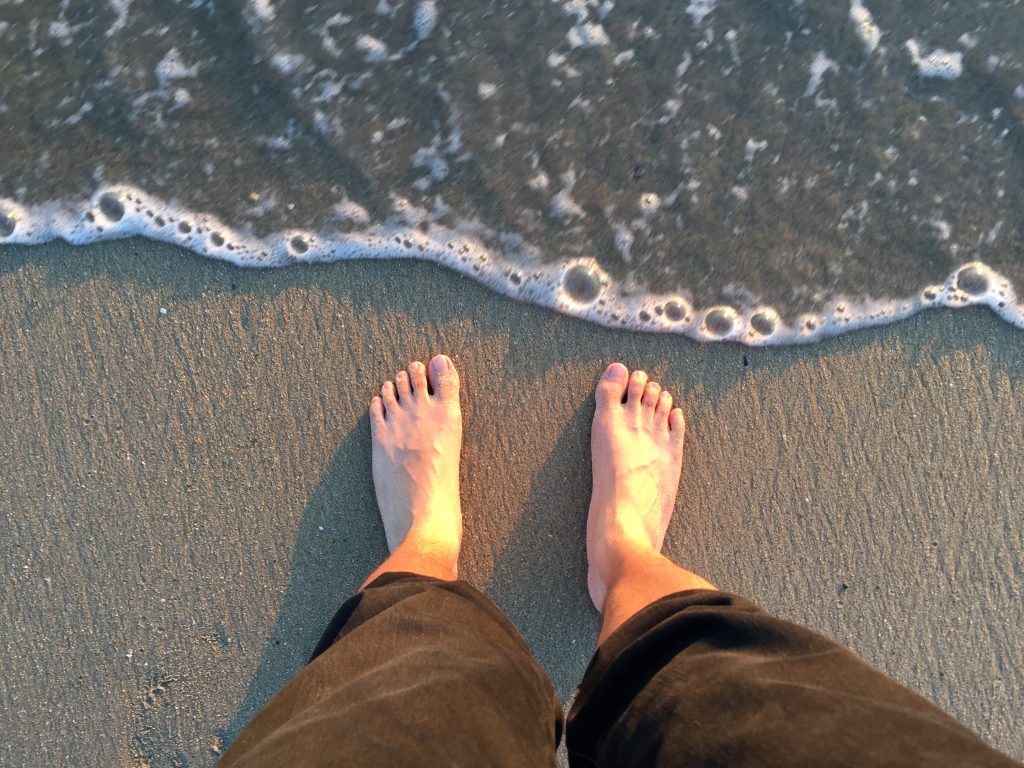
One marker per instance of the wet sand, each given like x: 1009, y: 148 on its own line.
x: 187, y: 493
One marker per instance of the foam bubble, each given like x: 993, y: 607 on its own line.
x: 720, y: 321
x: 764, y: 321
x: 7, y: 225
x: 111, y: 207
x: 582, y: 283
x: 973, y: 279
x: 677, y: 310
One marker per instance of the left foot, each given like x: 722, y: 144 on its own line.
x: 416, y: 428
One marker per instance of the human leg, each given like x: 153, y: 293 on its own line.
x: 417, y: 668
x: 637, y: 446
x: 687, y: 675
x: 416, y: 426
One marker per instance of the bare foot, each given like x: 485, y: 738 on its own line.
x: 417, y: 438
x: 637, y: 448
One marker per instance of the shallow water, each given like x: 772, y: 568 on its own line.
x: 763, y: 172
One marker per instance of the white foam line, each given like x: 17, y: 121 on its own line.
x: 580, y: 288
x: 864, y: 24
x: 938, y: 63
x: 424, y: 19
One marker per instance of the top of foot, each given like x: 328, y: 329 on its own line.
x: 416, y: 428
x: 637, y: 447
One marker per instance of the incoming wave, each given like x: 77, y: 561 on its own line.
x: 732, y: 171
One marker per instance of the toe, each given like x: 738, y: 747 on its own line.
x: 404, y: 389
x: 664, y: 408
x: 444, y: 378
x: 418, y: 379
x: 651, y: 394
x: 635, y: 392
x: 677, y: 424
x: 612, y: 386
x: 387, y: 393
x: 376, y: 414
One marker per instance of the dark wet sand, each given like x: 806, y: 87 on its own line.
x: 187, y: 496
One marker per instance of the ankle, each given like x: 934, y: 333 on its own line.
x: 643, y: 578
x: 619, y: 552
x: 626, y: 537
x: 436, y: 555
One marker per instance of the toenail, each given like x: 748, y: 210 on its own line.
x: 615, y: 372
x: 438, y: 364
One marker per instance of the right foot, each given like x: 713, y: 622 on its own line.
x: 637, y: 446
x: 416, y: 430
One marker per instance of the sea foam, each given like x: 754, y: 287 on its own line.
x: 579, y: 287
x: 939, y: 62
x: 699, y: 168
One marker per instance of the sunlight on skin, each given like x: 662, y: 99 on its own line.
x: 637, y: 444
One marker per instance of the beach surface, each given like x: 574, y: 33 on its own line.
x: 187, y: 495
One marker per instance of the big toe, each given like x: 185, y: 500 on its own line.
x: 444, y: 379
x: 612, y: 386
